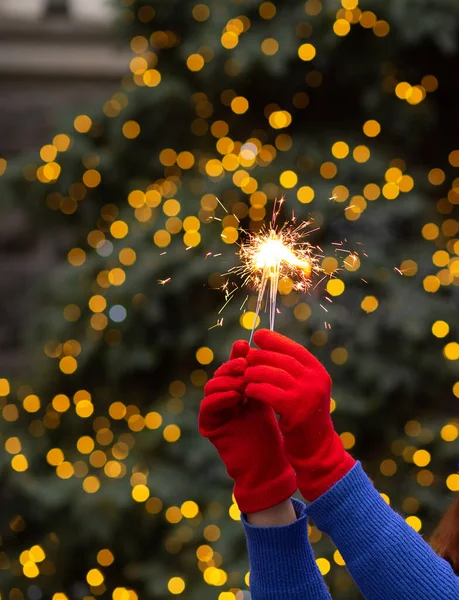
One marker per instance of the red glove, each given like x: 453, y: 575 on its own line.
x: 246, y: 436
x: 287, y: 377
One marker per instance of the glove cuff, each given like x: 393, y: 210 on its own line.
x: 319, y: 472
x: 252, y: 499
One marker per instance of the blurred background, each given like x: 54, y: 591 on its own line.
x: 121, y: 123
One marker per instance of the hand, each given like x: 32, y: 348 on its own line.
x: 246, y: 437
x: 287, y: 377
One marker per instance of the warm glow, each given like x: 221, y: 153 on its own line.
x: 273, y: 251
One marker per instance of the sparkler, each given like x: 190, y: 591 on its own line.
x: 274, y: 253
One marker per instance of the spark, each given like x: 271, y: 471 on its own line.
x: 224, y: 207
x: 319, y: 282
x: 334, y: 197
x: 163, y: 253
x: 322, y: 306
x: 164, y: 281
x: 228, y: 296
x: 276, y: 210
x: 215, y: 255
x: 219, y: 323
x: 207, y: 255
x: 312, y: 230
x: 242, y: 305
x: 354, y: 258
x: 398, y: 270
x: 364, y: 280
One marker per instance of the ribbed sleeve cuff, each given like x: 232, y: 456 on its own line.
x: 353, y: 494
x: 282, y: 563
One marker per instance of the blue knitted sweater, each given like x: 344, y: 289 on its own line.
x: 386, y: 558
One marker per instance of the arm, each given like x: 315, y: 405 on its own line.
x: 276, y: 516
x: 386, y: 558
x: 282, y: 563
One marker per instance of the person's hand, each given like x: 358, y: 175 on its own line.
x: 287, y: 377
x: 246, y: 437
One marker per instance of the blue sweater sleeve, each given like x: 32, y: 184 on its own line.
x: 386, y: 558
x: 282, y: 563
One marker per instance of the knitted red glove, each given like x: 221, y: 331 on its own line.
x: 246, y: 436
x: 286, y: 376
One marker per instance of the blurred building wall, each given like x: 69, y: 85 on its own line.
x: 56, y: 57
x: 97, y: 10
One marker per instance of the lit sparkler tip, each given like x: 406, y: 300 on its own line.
x: 274, y: 254
x: 272, y: 251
